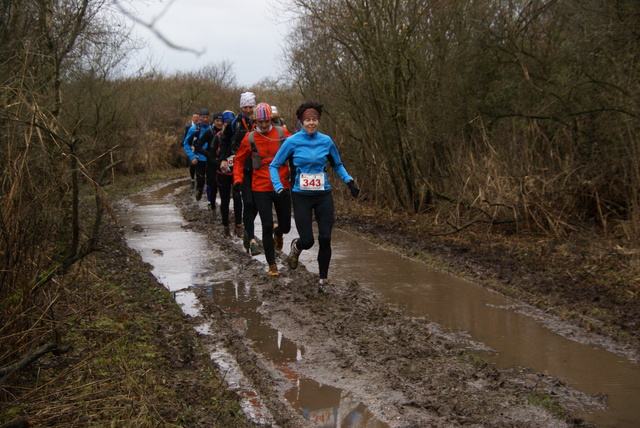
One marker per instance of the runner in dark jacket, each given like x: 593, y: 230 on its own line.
x: 224, y: 175
x: 231, y: 138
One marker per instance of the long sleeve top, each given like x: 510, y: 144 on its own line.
x: 308, y: 155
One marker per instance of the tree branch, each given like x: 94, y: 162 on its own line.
x: 28, y: 359
x: 151, y: 27
x: 460, y: 229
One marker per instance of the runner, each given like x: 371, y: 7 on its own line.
x: 277, y: 119
x: 198, y: 160
x: 260, y: 146
x: 225, y: 180
x: 231, y: 138
x: 212, y: 170
x: 195, y: 118
x: 204, y: 146
x: 309, y: 151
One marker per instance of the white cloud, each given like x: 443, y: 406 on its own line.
x: 247, y: 33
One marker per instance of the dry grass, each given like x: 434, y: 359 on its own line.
x: 133, y: 358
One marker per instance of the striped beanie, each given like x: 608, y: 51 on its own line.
x: 263, y: 112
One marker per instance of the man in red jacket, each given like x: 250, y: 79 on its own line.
x: 261, y: 145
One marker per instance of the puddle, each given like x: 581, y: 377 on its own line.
x: 154, y: 227
x: 511, y: 334
x: 321, y: 405
x: 516, y: 338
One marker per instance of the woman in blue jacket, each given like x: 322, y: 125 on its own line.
x: 309, y: 151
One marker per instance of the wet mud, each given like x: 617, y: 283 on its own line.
x: 386, y: 367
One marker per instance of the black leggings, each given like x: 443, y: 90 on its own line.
x: 212, y: 182
x: 249, y: 211
x: 265, y: 202
x: 201, y: 171
x: 225, y: 184
x: 304, y: 206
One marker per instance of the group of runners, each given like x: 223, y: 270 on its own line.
x: 253, y: 159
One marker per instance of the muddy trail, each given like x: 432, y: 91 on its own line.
x: 356, y: 357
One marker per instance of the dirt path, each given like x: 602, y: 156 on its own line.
x: 403, y: 369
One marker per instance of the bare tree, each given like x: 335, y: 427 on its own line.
x: 42, y: 232
x: 527, y: 103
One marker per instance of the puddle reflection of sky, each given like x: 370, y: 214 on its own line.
x: 157, y: 231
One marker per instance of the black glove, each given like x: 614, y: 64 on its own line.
x: 237, y: 186
x: 282, y: 192
x: 353, y: 188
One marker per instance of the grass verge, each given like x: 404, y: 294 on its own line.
x: 130, y: 356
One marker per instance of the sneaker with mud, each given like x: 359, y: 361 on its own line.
x: 239, y: 231
x: 278, y: 241
x: 324, y: 287
x: 273, y: 270
x: 254, y: 248
x: 198, y: 194
x: 227, y: 232
x: 294, y: 254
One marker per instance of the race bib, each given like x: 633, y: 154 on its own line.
x: 230, y: 161
x: 313, y: 182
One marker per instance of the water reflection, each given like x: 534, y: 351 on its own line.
x: 330, y: 407
x: 516, y: 338
x: 321, y: 405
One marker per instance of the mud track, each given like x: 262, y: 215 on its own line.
x: 405, y: 370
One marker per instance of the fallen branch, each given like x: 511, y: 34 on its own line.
x: 460, y: 229
x: 49, y: 347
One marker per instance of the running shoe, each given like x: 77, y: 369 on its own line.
x: 324, y: 287
x: 193, y: 184
x: 198, y: 194
x: 254, y: 248
x: 293, y: 255
x: 227, y: 232
x: 209, y: 206
x: 273, y: 270
x: 278, y: 241
x: 239, y: 231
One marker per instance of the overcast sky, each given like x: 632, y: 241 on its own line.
x: 247, y: 33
